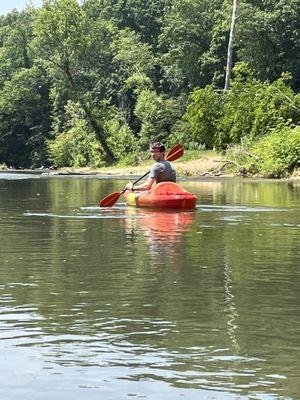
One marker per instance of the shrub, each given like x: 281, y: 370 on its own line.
x: 76, y: 147
x: 278, y: 153
x: 202, y: 114
x: 253, y: 108
x: 273, y: 156
x: 121, y: 139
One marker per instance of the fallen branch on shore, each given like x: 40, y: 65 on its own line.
x: 241, y: 169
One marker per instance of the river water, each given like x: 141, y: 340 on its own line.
x: 120, y: 303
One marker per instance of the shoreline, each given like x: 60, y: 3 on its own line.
x: 205, y: 165
x: 208, y: 166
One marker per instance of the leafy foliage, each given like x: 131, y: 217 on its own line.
x: 156, y: 114
x: 24, y: 119
x: 278, y: 153
x: 269, y: 40
x: 16, y: 36
x: 203, y: 113
x: 74, y: 50
x: 143, y: 17
x: 77, y: 145
x: 121, y: 138
x: 129, y: 71
x: 251, y: 108
x: 273, y: 156
x: 186, y: 36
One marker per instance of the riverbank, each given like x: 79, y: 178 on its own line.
x: 203, y: 167
x: 206, y: 165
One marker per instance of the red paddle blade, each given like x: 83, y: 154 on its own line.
x: 175, y: 153
x: 110, y: 200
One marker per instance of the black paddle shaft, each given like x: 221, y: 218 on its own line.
x: 141, y: 178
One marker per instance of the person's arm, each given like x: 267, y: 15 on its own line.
x: 151, y: 180
x: 144, y: 186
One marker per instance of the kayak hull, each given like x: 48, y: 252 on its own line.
x: 163, y: 195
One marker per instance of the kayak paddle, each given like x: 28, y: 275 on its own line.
x: 108, y: 201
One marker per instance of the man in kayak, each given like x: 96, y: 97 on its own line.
x: 161, y: 171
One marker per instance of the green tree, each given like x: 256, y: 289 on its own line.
x: 77, y: 145
x: 250, y: 108
x: 24, y: 94
x: 25, y: 118
x: 157, y: 114
x: 275, y: 155
x: 15, y: 38
x: 17, y: 42
x: 144, y: 17
x: 203, y: 113
x: 213, y: 61
x: 253, y: 108
x: 186, y: 36
x: 133, y: 68
x: 268, y: 38
x: 76, y: 52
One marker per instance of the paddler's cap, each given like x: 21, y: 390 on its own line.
x: 157, y: 146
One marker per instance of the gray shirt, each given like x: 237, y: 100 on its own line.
x: 163, y: 171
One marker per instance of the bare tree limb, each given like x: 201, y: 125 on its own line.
x: 230, y: 47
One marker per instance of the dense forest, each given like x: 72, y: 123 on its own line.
x: 93, y: 83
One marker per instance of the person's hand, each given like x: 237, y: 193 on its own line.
x: 129, y: 186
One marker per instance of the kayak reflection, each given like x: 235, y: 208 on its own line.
x: 163, y: 231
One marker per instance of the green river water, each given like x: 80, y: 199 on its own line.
x: 120, y: 304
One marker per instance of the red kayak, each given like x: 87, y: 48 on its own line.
x: 162, y: 195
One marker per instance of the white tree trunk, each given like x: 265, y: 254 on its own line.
x: 230, y: 47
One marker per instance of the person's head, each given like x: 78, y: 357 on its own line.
x: 157, y: 150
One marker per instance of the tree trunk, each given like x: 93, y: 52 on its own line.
x: 230, y: 47
x: 95, y: 125
x: 98, y: 131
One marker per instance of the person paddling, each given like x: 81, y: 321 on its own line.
x: 161, y: 171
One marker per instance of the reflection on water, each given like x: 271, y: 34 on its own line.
x: 163, y: 232
x: 230, y: 302
x: 120, y: 303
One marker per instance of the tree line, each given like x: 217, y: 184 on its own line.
x: 93, y: 83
